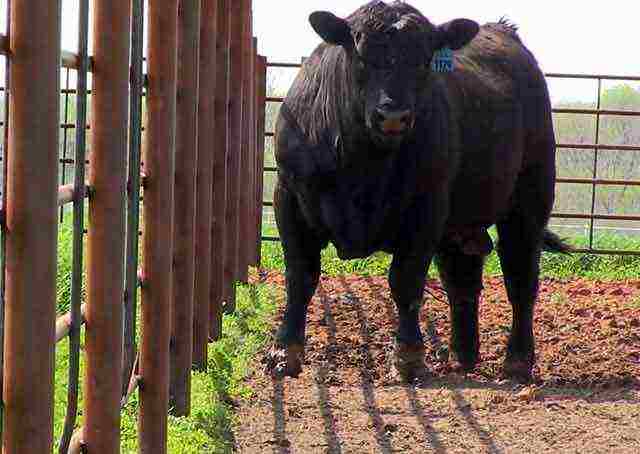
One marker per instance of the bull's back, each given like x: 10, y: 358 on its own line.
x: 502, y: 105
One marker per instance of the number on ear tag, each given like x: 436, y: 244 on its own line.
x: 442, y: 61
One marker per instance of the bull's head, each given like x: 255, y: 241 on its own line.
x: 390, y: 48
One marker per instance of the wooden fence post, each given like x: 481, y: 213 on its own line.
x: 107, y: 211
x: 185, y: 207
x: 220, y: 171
x: 204, y: 185
x: 246, y: 168
x: 159, y: 148
x: 254, y: 155
x: 236, y: 52
x: 31, y: 226
x: 261, y: 75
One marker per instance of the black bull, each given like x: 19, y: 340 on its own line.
x: 377, y: 151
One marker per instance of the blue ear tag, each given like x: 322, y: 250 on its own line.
x: 442, y: 61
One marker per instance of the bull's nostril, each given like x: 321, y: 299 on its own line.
x: 394, y: 122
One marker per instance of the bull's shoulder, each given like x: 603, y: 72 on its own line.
x: 296, y: 154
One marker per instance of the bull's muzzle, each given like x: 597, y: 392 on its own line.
x: 394, y: 122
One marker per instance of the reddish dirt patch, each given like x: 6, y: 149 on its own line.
x: 586, y: 390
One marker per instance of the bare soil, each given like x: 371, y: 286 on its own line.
x: 585, y: 397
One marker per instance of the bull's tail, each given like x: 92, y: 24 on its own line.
x: 553, y: 243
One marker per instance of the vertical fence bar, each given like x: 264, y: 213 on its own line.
x: 262, y: 96
x: 78, y: 227
x: 31, y: 226
x: 136, y: 85
x: 595, y: 165
x: 253, y: 260
x: 245, y: 169
x: 204, y: 186
x: 106, y: 239
x: 65, y: 136
x: 185, y: 206
x: 220, y: 171
x: 3, y: 225
x: 236, y: 53
x: 157, y: 239
x: 251, y: 154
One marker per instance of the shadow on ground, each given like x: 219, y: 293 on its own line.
x: 585, y: 394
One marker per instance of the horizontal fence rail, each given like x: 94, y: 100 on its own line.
x: 594, y: 181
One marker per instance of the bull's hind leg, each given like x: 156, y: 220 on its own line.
x: 519, y: 251
x: 302, y: 262
x: 520, y: 242
x: 461, y: 277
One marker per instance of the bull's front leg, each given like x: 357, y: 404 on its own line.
x: 302, y: 262
x: 407, y: 278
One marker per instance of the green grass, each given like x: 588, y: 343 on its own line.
x: 590, y: 266
x: 208, y: 428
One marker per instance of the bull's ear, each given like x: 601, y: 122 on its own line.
x: 331, y: 28
x: 457, y: 33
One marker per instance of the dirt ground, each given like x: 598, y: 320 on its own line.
x: 585, y: 397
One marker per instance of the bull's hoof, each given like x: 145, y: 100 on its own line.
x: 284, y: 361
x: 518, y: 369
x: 409, y: 360
x: 464, y: 362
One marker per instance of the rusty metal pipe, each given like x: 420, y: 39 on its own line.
x: 159, y: 148
x: 31, y: 227
x: 77, y: 444
x: 67, y: 194
x: 134, y: 180
x: 204, y: 194
x: 4, y: 45
x: 181, y: 345
x: 133, y: 382
x: 70, y: 60
x: 220, y: 171
x: 106, y: 240
x: 253, y: 256
x: 63, y: 324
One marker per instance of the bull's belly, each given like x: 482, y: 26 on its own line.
x: 359, y: 239
x: 476, y: 204
x: 483, y: 202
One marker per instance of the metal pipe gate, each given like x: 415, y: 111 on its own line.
x: 594, y: 181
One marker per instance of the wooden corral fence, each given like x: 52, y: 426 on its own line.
x: 588, y: 219
x: 173, y: 156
